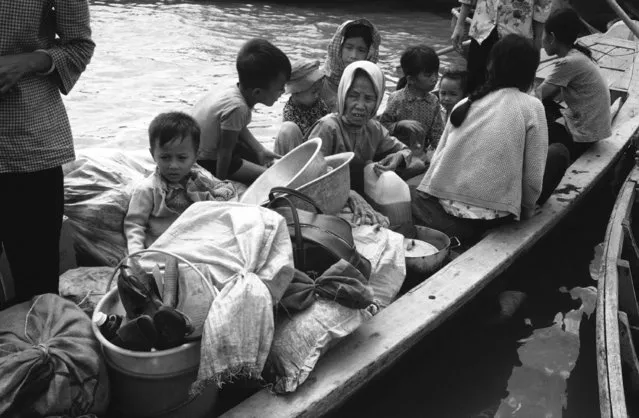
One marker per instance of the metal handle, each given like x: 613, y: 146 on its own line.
x: 454, y: 243
x: 180, y: 258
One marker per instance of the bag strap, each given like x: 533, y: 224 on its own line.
x: 298, y: 248
x: 293, y: 192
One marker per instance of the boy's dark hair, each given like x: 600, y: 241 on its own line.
x: 417, y: 59
x: 566, y: 26
x: 259, y: 62
x: 513, y: 62
x: 359, y: 31
x: 166, y: 127
x: 457, y: 74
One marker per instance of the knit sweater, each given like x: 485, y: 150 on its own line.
x: 496, y: 158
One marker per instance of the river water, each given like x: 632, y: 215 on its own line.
x: 156, y: 56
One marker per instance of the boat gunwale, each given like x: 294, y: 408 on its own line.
x: 612, y: 402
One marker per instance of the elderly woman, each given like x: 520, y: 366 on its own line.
x: 353, y: 128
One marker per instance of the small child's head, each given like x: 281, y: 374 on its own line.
x: 358, y: 39
x: 263, y: 69
x: 305, y: 84
x: 513, y: 62
x: 174, y: 140
x: 452, y: 87
x: 420, y: 65
x: 562, y: 28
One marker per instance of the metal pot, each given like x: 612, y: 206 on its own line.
x: 429, y: 264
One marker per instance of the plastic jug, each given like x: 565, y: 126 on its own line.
x: 389, y: 195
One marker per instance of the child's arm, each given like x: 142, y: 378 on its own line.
x: 436, y: 128
x: 389, y: 118
x: 137, y: 218
x: 263, y: 155
x: 225, y: 153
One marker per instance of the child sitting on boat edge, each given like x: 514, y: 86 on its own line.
x: 229, y: 149
x: 158, y: 200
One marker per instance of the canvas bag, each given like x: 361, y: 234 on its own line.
x: 50, y: 361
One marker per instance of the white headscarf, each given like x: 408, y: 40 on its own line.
x: 374, y: 73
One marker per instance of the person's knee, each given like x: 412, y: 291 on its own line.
x: 288, y: 137
x: 558, y: 156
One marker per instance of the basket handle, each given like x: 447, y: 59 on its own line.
x: 179, y: 257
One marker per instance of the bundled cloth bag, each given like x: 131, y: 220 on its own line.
x: 318, y: 313
x: 97, y: 190
x: 385, y: 250
x: 248, y: 252
x: 50, y: 361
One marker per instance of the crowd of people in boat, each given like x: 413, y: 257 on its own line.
x: 490, y: 147
x: 489, y: 144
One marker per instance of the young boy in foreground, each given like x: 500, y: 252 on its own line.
x: 228, y: 149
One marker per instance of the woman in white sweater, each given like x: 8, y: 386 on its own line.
x: 489, y: 165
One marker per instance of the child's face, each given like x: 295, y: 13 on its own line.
x: 354, y: 49
x: 269, y: 95
x: 360, y: 102
x: 450, y: 93
x: 175, y: 158
x: 425, y: 81
x: 310, y: 96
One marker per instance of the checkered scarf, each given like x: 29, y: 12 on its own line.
x: 334, y: 66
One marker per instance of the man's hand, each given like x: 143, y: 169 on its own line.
x: 388, y: 163
x: 14, y: 67
x: 457, y: 37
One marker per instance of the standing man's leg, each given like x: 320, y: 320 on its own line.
x: 33, y: 208
x: 477, y: 60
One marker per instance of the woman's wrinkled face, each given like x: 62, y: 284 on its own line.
x: 360, y: 102
x: 354, y: 49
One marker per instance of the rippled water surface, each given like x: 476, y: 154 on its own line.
x: 157, y: 56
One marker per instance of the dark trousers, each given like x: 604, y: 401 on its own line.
x: 427, y: 211
x: 558, y: 134
x: 477, y: 60
x: 30, y: 221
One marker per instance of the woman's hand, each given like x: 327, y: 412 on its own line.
x: 457, y: 37
x: 388, y: 163
x: 363, y: 212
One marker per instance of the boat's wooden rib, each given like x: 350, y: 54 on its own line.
x: 377, y: 344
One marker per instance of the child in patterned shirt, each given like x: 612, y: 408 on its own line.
x: 304, y: 107
x: 412, y: 114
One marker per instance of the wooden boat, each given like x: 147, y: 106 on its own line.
x: 378, y: 343
x: 617, y: 309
